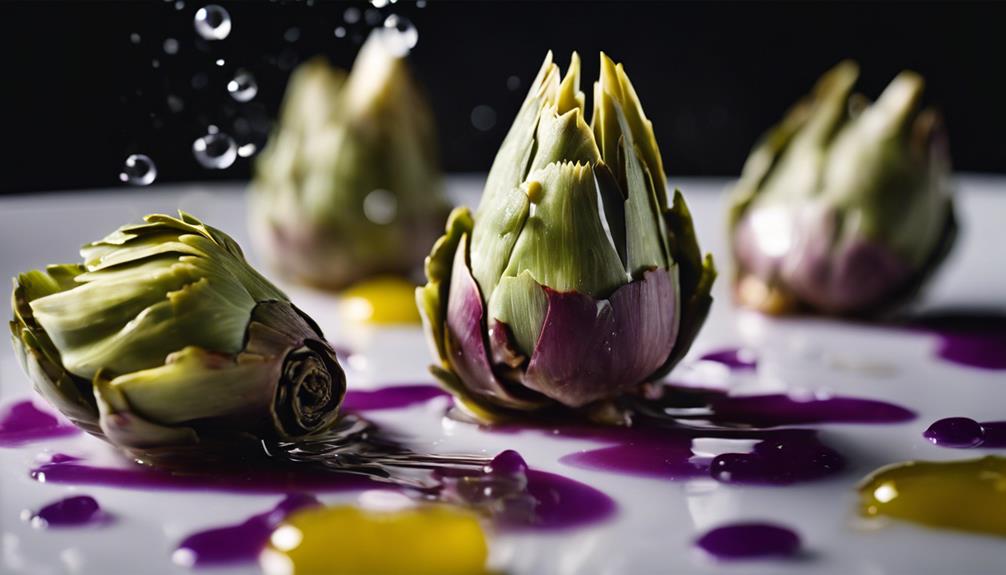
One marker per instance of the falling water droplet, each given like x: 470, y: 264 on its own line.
x: 380, y: 206
x: 134, y: 38
x: 155, y: 63
x: 292, y: 34
x: 420, y: 3
x: 400, y: 35
x: 139, y: 170
x: 340, y: 32
x: 215, y: 150
x: 175, y: 104
x: 351, y: 15
x: 170, y: 46
x: 513, y: 83
x: 213, y: 22
x: 179, y: 5
x: 221, y: 61
x: 379, y: 3
x: 483, y: 117
x: 247, y: 150
x: 243, y: 87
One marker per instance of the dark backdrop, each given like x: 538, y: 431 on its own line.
x: 78, y: 93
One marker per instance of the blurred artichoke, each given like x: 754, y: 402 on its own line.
x: 348, y: 186
x: 844, y: 207
x: 166, y: 338
x: 574, y: 282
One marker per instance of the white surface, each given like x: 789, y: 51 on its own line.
x: 657, y: 519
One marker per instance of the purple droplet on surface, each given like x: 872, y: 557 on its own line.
x: 978, y: 350
x: 392, y: 397
x: 735, y: 358
x: 72, y: 511
x: 789, y: 456
x: 777, y: 410
x: 563, y: 503
x: 508, y: 462
x: 955, y: 432
x: 240, y: 543
x: 749, y: 541
x: 22, y: 422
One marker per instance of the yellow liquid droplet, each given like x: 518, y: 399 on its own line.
x: 437, y: 540
x: 966, y: 495
x: 382, y: 300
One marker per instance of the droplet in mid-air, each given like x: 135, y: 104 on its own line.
x: 134, y: 38
x: 483, y: 117
x: 170, y: 46
x: 351, y: 15
x: 247, y: 150
x: 400, y: 35
x: 340, y: 32
x: 139, y: 170
x: 213, y: 22
x: 216, y: 150
x: 380, y: 206
x: 243, y: 87
x: 379, y: 3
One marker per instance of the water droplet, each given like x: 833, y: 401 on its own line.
x: 420, y: 3
x: 372, y: 17
x: 351, y: 15
x: 380, y: 206
x: 134, y: 38
x: 483, y: 118
x: 379, y: 3
x: 175, y: 104
x: 243, y: 87
x: 139, y: 170
x: 292, y: 34
x: 513, y: 83
x: 215, y: 150
x: 213, y: 22
x: 340, y: 32
x: 179, y: 5
x: 247, y: 150
x: 400, y: 35
x: 155, y: 63
x: 170, y: 46
x: 221, y: 62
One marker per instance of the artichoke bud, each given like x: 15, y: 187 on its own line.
x: 165, y: 337
x: 574, y: 281
x: 349, y: 186
x: 844, y: 207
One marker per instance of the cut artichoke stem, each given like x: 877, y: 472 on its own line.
x: 844, y: 207
x: 579, y: 282
x: 167, y: 339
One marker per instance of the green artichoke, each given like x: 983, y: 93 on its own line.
x: 574, y: 282
x: 844, y: 207
x: 165, y: 337
x: 348, y: 186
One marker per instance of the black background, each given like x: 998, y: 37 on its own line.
x: 77, y: 95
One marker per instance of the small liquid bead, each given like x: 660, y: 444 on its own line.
x: 965, y: 495
x: 749, y: 541
x: 380, y: 206
x: 243, y: 87
x: 72, y: 511
x: 382, y: 300
x: 213, y: 22
x: 438, y: 540
x: 139, y: 170
x: 401, y: 35
x: 216, y: 151
x: 955, y: 432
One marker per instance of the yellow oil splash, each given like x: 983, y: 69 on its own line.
x: 434, y: 539
x: 964, y: 495
x: 381, y: 300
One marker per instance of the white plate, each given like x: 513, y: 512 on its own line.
x: 657, y: 520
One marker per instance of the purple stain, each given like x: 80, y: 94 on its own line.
x: 777, y: 410
x: 240, y: 543
x: 749, y: 541
x: 22, y: 422
x: 268, y: 477
x: 393, y: 397
x: 563, y: 503
x: 963, y: 432
x: 735, y: 358
x: 786, y: 457
x: 972, y: 339
x: 62, y: 458
x: 666, y: 457
x: 70, y: 512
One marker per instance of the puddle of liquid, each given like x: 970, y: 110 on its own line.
x: 22, y: 423
x: 749, y: 541
x: 74, y: 511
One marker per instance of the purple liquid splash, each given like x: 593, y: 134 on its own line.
x: 393, y: 397
x: 240, y: 543
x: 749, y: 541
x: 22, y: 422
x: 974, y: 339
x: 963, y: 432
x: 70, y: 512
x: 735, y: 358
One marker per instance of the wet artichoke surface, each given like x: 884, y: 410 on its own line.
x: 844, y: 207
x: 574, y: 281
x: 165, y: 339
x: 349, y: 186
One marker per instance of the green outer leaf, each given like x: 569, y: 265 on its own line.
x: 521, y: 304
x: 431, y: 299
x: 493, y: 239
x: 124, y: 428
x: 564, y: 138
x: 563, y: 244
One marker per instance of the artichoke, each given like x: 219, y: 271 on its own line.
x: 574, y: 282
x: 348, y: 186
x: 844, y: 207
x: 165, y: 337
